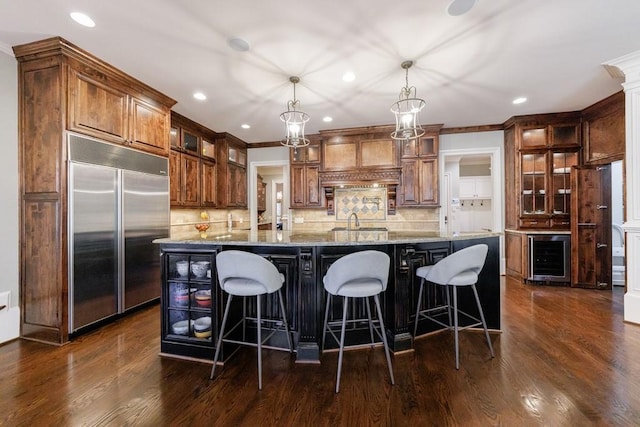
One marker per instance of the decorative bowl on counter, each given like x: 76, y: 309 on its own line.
x: 199, y: 268
x: 183, y: 268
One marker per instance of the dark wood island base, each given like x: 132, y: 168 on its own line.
x: 192, y: 302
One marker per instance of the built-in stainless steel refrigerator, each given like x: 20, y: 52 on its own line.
x: 118, y: 204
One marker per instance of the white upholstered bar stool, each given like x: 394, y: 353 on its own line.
x: 248, y: 275
x: 358, y: 275
x: 459, y: 269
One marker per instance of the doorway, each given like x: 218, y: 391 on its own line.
x: 483, y: 162
x: 275, y: 176
x: 469, y: 164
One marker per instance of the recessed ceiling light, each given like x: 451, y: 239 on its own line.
x: 200, y: 96
x: 519, y: 100
x: 236, y: 43
x: 349, y: 76
x: 327, y: 119
x: 460, y: 7
x: 245, y: 126
x: 82, y: 19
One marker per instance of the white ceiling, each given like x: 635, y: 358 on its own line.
x: 468, y: 68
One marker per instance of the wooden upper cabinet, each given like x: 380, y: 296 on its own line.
x: 603, y: 129
x: 304, y: 176
x: 97, y: 108
x: 377, y: 153
x: 535, y: 137
x: 420, y: 147
x: 236, y: 186
x: 190, y: 177
x: 351, y: 153
x: 149, y: 126
x: 419, y: 185
x: 100, y: 106
x: 565, y: 135
x: 208, y: 183
x: 174, y: 178
x: 339, y: 155
x: 231, y: 171
x: 562, y: 130
x: 308, y: 154
x: 207, y: 150
x: 184, y: 180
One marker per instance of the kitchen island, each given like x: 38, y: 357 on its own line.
x: 303, y: 259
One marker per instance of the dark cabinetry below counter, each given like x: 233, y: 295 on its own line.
x: 303, y: 268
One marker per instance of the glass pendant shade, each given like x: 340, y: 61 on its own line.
x: 407, y: 111
x: 294, y: 121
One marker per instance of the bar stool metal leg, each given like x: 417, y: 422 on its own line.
x: 259, y: 343
x: 284, y: 319
x: 415, y: 326
x: 448, y: 291
x: 370, y: 321
x: 344, y: 323
x: 219, y: 344
x: 326, y: 320
x: 484, y: 324
x: 384, y: 338
x: 455, y: 325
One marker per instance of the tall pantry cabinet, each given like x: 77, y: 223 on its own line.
x: 63, y: 88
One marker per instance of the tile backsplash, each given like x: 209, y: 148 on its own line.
x: 369, y: 203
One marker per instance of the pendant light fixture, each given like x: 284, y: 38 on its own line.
x: 407, y: 109
x: 294, y: 121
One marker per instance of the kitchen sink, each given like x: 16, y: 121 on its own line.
x: 361, y: 229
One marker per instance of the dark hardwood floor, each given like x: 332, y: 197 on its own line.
x: 564, y: 357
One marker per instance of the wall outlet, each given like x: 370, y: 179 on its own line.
x: 299, y: 220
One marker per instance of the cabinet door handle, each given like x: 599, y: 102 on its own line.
x: 602, y: 207
x: 601, y: 245
x: 533, y: 222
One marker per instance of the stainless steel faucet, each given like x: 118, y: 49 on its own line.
x: 349, y: 221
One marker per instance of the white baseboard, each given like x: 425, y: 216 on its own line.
x: 9, y: 324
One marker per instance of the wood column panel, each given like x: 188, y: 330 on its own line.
x: 43, y: 286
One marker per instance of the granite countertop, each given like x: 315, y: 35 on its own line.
x: 306, y: 238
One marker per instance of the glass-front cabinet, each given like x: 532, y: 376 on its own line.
x: 534, y: 169
x: 560, y: 181
x: 189, y: 303
x: 546, y: 188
